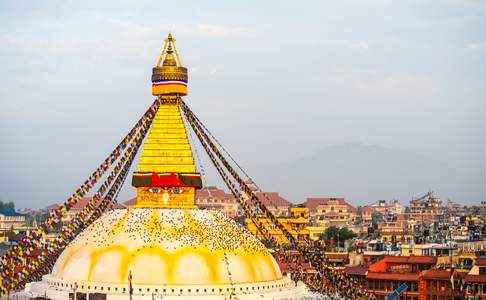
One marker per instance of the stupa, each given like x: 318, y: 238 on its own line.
x: 165, y: 247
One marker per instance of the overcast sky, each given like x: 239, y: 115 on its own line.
x: 274, y: 80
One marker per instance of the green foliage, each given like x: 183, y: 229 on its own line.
x: 7, y: 205
x: 338, y: 234
x: 376, y: 217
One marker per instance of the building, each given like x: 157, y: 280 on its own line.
x: 213, y: 198
x: 336, y: 210
x: 78, y: 207
x: 426, y: 208
x: 295, y: 222
x: 436, y: 285
x: 475, y: 280
x: 386, y: 275
x: 429, y: 249
x: 278, y: 205
x: 385, y: 208
x: 365, y: 213
x: 396, y: 230
x: 10, y: 220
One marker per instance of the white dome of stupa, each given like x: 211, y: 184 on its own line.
x: 169, y: 252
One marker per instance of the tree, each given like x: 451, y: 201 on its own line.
x: 359, y: 216
x: 376, y: 217
x: 7, y: 205
x: 338, y: 235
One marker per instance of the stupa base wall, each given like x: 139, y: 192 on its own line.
x: 288, y: 290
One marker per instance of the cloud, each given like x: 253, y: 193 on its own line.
x: 33, y: 114
x: 480, y: 46
x: 395, y: 85
x: 217, y: 30
x: 382, y: 85
x: 361, y: 46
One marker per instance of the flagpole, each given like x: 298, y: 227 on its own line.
x: 130, y: 289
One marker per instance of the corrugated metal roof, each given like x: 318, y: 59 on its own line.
x: 10, y: 213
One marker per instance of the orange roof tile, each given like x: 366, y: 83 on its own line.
x: 393, y: 276
x: 437, y: 274
x: 272, y: 199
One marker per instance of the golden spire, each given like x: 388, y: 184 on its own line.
x: 166, y: 175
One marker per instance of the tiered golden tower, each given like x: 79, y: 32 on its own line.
x: 166, y: 176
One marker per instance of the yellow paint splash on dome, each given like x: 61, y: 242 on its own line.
x: 72, y: 251
x: 94, y: 259
x: 151, y: 249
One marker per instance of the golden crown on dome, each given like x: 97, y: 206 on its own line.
x: 169, y: 77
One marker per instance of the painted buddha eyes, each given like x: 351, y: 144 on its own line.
x: 177, y: 191
x: 173, y: 191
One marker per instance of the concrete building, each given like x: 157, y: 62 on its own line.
x: 212, y: 198
x: 10, y: 219
x: 336, y: 210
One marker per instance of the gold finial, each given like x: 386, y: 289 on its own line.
x: 169, y: 57
x: 168, y: 75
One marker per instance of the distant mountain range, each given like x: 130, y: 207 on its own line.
x: 360, y: 173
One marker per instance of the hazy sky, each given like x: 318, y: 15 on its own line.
x: 274, y: 80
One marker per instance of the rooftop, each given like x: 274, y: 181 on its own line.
x: 272, y: 199
x: 393, y: 276
x: 83, y: 202
x: 313, y: 203
x: 11, y: 213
